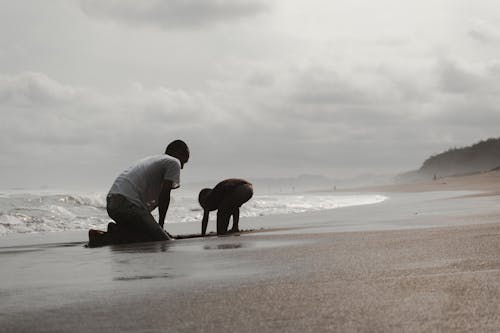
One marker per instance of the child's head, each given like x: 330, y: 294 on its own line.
x: 202, y: 197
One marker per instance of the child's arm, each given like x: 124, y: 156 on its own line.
x: 204, y: 222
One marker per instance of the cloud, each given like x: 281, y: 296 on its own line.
x: 483, y: 32
x: 320, y: 87
x: 80, y: 135
x: 263, y: 121
x: 33, y: 89
x: 41, y: 114
x: 173, y: 14
x: 356, y: 102
x: 459, y: 77
x: 260, y: 80
x: 316, y: 117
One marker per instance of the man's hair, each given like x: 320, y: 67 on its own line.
x: 178, y: 148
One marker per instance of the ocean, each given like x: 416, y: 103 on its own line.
x: 53, y: 211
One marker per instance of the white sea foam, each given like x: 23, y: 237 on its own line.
x: 43, y: 212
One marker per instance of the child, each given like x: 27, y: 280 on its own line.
x: 226, y: 197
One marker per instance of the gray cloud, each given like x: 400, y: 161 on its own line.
x: 359, y: 102
x: 173, y: 13
x: 33, y: 89
x: 80, y: 124
x: 484, y: 32
x: 314, y: 87
x: 245, y: 126
x: 457, y: 78
x: 320, y: 86
x: 260, y: 80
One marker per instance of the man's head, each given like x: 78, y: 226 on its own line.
x: 202, y: 197
x: 179, y: 150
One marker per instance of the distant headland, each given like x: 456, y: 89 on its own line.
x: 479, y: 157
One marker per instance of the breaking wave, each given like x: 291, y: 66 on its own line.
x: 46, y: 212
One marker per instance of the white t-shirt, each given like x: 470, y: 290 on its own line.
x: 141, y: 183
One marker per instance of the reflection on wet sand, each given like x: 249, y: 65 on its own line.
x: 142, y: 277
x: 140, y: 261
x: 149, y: 247
x: 223, y: 246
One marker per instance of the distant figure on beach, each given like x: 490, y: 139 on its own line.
x: 140, y: 189
x: 226, y: 197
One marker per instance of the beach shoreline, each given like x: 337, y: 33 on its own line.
x: 421, y: 261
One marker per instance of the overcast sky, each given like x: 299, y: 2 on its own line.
x: 256, y: 88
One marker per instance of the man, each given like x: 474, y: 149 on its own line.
x: 139, y: 190
x: 226, y: 197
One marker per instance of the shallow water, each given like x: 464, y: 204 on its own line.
x: 22, y: 212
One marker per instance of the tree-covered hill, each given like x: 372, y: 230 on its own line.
x: 482, y: 156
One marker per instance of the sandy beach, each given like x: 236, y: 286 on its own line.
x: 425, y: 260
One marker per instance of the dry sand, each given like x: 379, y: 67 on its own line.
x: 487, y: 182
x: 440, y: 279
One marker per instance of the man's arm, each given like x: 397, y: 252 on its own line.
x: 164, y: 201
x: 204, y: 222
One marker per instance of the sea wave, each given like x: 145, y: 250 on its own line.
x: 47, y: 212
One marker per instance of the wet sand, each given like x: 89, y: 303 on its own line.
x: 426, y: 260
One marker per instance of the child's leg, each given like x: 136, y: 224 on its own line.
x: 230, y: 206
x: 223, y: 215
x: 236, y: 219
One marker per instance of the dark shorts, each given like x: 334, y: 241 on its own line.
x: 230, y: 206
x: 136, y: 222
x: 236, y: 198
